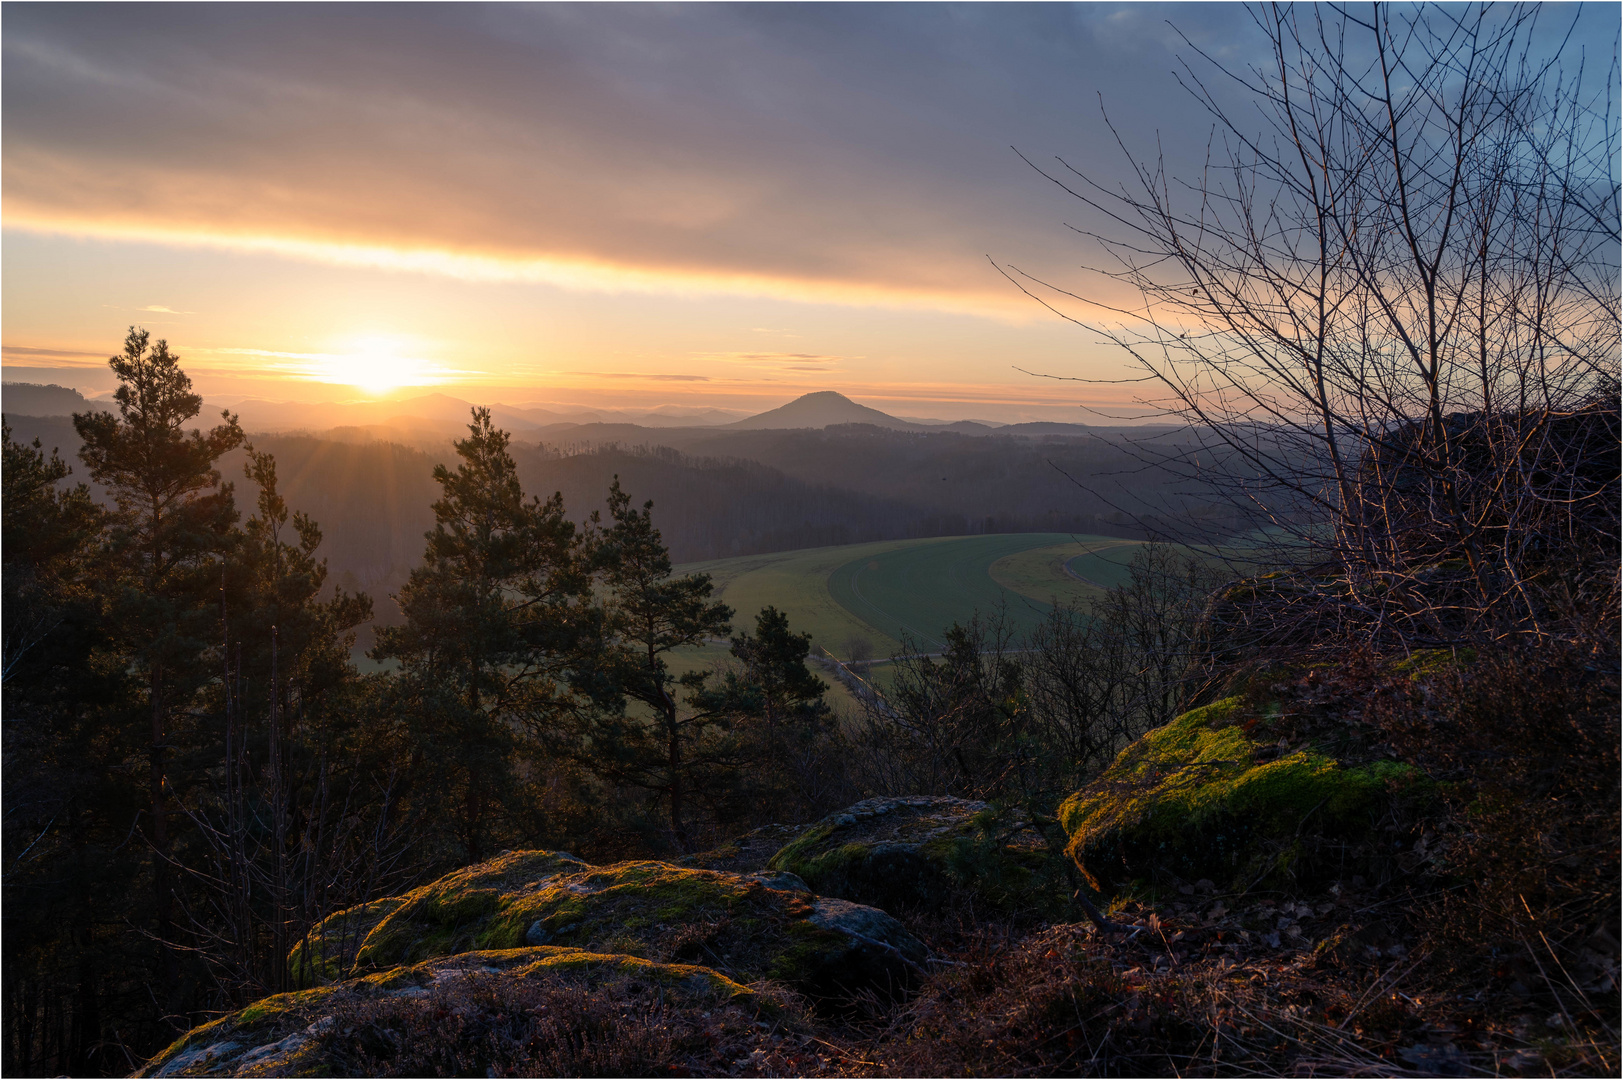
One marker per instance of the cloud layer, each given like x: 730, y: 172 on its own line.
x: 840, y: 152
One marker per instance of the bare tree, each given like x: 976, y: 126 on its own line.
x: 1029, y: 718
x: 1096, y: 680
x: 1388, y: 303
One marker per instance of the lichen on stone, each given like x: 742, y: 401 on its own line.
x: 203, y: 1050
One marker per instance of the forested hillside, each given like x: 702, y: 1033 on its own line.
x: 725, y: 493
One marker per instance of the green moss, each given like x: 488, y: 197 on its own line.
x: 1204, y: 797
x: 455, y: 913
x: 274, y: 1007
x: 1426, y: 662
x: 687, y: 976
x: 800, y: 849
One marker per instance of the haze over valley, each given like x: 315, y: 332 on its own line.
x: 817, y: 471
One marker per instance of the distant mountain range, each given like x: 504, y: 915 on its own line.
x: 437, y: 415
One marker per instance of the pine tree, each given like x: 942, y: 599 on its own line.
x: 68, y: 803
x: 171, y: 524
x: 646, y: 614
x: 781, y: 719
x: 490, y: 617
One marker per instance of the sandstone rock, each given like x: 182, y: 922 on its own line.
x: 330, y: 950
x: 301, y: 1033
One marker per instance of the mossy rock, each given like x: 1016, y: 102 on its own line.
x: 1214, y: 795
x: 746, y: 853
x: 286, y: 1034
x: 748, y: 927
x: 923, y: 852
x: 328, y: 951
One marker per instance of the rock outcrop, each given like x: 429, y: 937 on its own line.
x: 746, y: 927
x: 1218, y: 794
x: 923, y: 852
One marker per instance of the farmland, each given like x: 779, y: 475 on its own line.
x: 912, y: 590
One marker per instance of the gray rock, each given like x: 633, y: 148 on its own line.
x: 924, y: 852
x: 867, y: 924
x: 780, y: 879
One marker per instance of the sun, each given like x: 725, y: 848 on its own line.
x: 376, y: 365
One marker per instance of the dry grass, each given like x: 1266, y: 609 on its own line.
x: 486, y: 1025
x: 1340, y: 990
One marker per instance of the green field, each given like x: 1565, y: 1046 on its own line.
x: 796, y: 582
x: 885, y: 593
x: 1075, y: 572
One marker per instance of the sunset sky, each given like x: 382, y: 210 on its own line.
x: 597, y: 205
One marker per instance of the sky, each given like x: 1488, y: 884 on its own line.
x: 631, y: 206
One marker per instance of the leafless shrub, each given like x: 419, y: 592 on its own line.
x: 1525, y: 746
x: 1029, y: 719
x: 1388, y: 306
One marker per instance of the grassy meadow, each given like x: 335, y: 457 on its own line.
x: 912, y: 590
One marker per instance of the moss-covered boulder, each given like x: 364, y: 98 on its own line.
x: 330, y: 950
x: 922, y: 852
x: 745, y: 926
x: 321, y: 1031
x: 1219, y: 793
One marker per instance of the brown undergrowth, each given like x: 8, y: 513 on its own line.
x: 487, y: 1026
x: 1337, y: 984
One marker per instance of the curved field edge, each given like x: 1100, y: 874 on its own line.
x: 889, y: 592
x: 796, y: 583
x: 1053, y: 573
x: 915, y: 593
